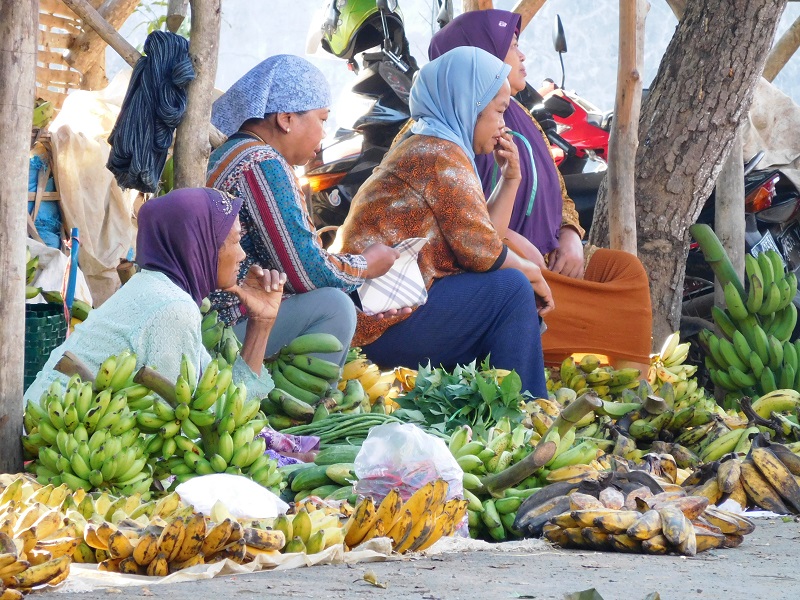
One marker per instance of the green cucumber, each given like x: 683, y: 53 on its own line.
x: 338, y: 454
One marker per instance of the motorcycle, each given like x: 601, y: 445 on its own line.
x: 374, y: 28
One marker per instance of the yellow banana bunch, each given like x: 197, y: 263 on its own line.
x: 413, y: 525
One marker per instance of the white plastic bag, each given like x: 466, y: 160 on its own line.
x: 401, y: 455
x: 243, y: 497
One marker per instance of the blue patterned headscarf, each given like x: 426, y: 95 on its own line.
x: 280, y: 84
x: 450, y: 92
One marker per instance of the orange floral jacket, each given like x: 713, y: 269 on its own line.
x: 425, y: 187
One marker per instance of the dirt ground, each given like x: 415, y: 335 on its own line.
x: 764, y: 566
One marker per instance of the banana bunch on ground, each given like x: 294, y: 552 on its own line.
x: 665, y: 523
x: 85, y: 435
x: 413, y: 525
x: 163, y: 547
x: 490, y: 517
x: 203, y: 425
x: 754, y: 355
x: 588, y: 373
x: 36, y: 540
x: 376, y: 384
x: 766, y: 478
x: 668, y: 366
x: 219, y: 339
x: 312, y: 527
x: 330, y: 477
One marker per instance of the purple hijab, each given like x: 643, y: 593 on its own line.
x: 493, y: 31
x: 180, y: 235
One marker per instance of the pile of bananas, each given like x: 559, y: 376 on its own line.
x: 85, y: 435
x: 312, y: 527
x: 664, y: 523
x: 36, y: 541
x: 413, y: 525
x: 765, y: 478
x: 309, y: 388
x: 219, y: 339
x: 606, y: 382
x: 80, y: 309
x: 376, y: 384
x: 755, y: 356
x: 205, y: 425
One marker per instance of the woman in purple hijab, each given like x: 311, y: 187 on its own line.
x: 544, y: 225
x: 187, y: 245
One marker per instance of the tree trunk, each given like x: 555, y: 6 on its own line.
x: 176, y: 14
x: 625, y: 126
x: 527, y: 9
x: 783, y: 50
x: 19, y: 32
x: 701, y: 94
x: 192, y: 148
x: 468, y: 5
x: 729, y: 212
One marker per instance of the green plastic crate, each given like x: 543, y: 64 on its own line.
x: 45, y: 330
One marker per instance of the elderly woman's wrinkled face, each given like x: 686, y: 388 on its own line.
x: 516, y: 60
x: 231, y: 256
x: 490, y: 124
x: 306, y: 134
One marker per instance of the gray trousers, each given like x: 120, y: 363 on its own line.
x: 323, y: 310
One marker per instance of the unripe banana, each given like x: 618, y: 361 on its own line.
x: 106, y: 373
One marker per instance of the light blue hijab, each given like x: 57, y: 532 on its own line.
x: 450, y: 92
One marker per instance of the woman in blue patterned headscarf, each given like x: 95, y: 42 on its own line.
x: 275, y: 117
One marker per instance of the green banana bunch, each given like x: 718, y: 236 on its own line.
x: 88, y: 438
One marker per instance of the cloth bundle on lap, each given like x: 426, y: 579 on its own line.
x: 152, y: 109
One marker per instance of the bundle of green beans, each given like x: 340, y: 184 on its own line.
x: 340, y: 428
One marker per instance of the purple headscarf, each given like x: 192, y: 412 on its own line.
x: 180, y: 235
x: 493, y: 31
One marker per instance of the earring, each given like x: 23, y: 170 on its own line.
x: 288, y: 130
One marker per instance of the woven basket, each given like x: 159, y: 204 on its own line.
x: 45, y: 330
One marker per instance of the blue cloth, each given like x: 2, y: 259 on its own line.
x: 280, y: 84
x: 155, y: 319
x: 469, y: 316
x: 451, y: 91
x: 48, y: 219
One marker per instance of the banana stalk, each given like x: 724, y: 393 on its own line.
x: 156, y: 382
x: 70, y: 365
x: 545, y: 450
x: 716, y: 257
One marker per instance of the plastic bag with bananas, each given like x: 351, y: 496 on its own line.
x: 413, y: 525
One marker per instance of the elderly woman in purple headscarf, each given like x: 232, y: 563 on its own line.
x: 187, y: 245
x: 602, y: 296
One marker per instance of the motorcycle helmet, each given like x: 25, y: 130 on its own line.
x: 355, y: 25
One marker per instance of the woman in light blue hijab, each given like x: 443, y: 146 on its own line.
x: 481, y: 296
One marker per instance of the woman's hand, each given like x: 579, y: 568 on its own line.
x: 506, y: 155
x: 567, y: 259
x: 261, y: 293
x: 524, y: 248
x: 544, y: 297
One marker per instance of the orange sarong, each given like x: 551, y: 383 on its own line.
x: 607, y: 312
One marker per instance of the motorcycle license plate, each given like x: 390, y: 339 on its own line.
x: 767, y: 243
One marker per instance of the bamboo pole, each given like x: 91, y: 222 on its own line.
x: 122, y: 47
x: 191, y: 144
x: 782, y: 51
x: 624, y: 138
x: 468, y: 5
x: 527, y: 9
x: 729, y: 222
x: 19, y: 32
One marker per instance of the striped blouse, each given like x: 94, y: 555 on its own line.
x: 277, y: 230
